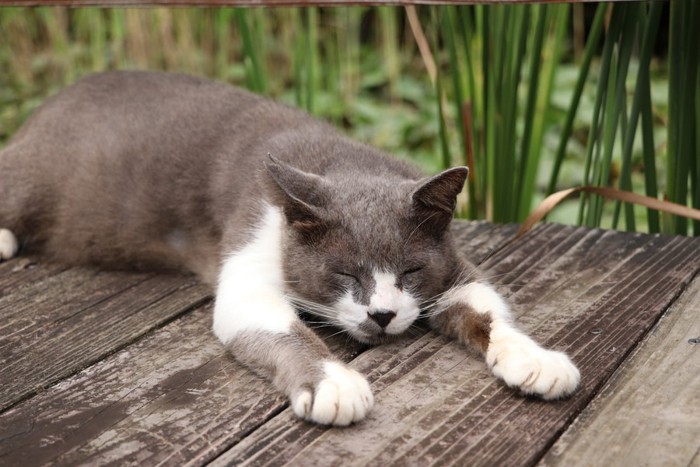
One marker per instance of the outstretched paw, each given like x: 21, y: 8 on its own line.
x: 522, y: 363
x: 342, y: 397
x: 8, y: 244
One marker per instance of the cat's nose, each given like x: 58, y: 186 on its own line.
x: 381, y: 317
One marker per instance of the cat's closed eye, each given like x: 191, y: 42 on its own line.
x: 347, y: 277
x: 411, y: 271
x: 410, y: 277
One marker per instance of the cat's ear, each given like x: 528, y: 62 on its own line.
x: 435, y: 199
x: 301, y: 195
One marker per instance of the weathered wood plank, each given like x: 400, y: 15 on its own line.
x: 648, y: 413
x: 479, y: 240
x: 174, y: 396
x: 23, y: 271
x: 92, y: 313
x: 147, y: 383
x: 437, y: 404
x: 61, y: 323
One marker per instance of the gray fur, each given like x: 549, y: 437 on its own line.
x: 142, y: 170
x: 292, y: 361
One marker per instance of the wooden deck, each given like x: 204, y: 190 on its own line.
x: 118, y: 368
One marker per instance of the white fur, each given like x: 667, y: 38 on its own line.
x: 350, y: 315
x: 250, y: 295
x: 513, y: 356
x: 342, y: 397
x: 8, y: 244
x: 522, y: 363
x: 389, y: 297
x: 481, y: 298
x: 386, y: 296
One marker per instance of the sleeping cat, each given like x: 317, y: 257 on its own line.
x: 274, y: 209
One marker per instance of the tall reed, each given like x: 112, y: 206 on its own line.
x: 492, y: 75
x: 491, y: 105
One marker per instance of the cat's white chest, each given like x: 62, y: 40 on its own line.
x: 250, y: 295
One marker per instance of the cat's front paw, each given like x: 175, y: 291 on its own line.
x: 522, y: 363
x: 342, y: 397
x: 8, y: 244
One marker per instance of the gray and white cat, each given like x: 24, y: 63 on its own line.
x: 277, y: 211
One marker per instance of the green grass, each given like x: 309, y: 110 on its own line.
x: 537, y: 120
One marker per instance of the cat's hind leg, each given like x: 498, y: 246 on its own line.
x: 8, y: 244
x: 476, y: 314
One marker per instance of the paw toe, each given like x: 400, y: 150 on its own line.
x: 561, y: 379
x: 534, y: 370
x: 302, y: 403
x: 342, y: 397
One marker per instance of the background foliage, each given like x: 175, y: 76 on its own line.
x: 532, y: 97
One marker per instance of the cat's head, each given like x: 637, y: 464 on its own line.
x: 366, y: 254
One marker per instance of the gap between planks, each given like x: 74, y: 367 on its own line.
x: 652, y: 401
x: 191, y: 411
x: 464, y: 416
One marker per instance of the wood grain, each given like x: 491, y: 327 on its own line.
x: 648, y: 413
x: 159, y: 380
x: 436, y: 403
x: 174, y: 396
x: 61, y: 323
x: 22, y: 271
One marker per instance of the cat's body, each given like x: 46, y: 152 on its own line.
x: 275, y: 209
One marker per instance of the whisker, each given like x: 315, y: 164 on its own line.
x: 415, y: 331
x: 320, y: 325
x: 335, y: 334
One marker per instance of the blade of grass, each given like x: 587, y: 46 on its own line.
x: 255, y: 75
x: 511, y: 169
x: 475, y: 107
x: 489, y: 112
x: 311, y: 14
x: 605, y: 87
x: 616, y: 97
x: 558, y: 21
x: 459, y: 75
x: 692, y: 141
x: 525, y: 180
x: 439, y: 97
x: 298, y: 57
x: 649, y: 153
x: 449, y: 36
x: 649, y: 26
x: 348, y: 52
x: 117, y: 36
x: 390, y: 47
x: 681, y: 84
x: 223, y: 55
x: 591, y: 47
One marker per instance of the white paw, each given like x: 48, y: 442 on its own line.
x: 8, y: 244
x: 341, y: 398
x: 522, y: 363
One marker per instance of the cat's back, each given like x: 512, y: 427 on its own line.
x: 127, y: 108
x: 120, y: 157
x: 121, y: 166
